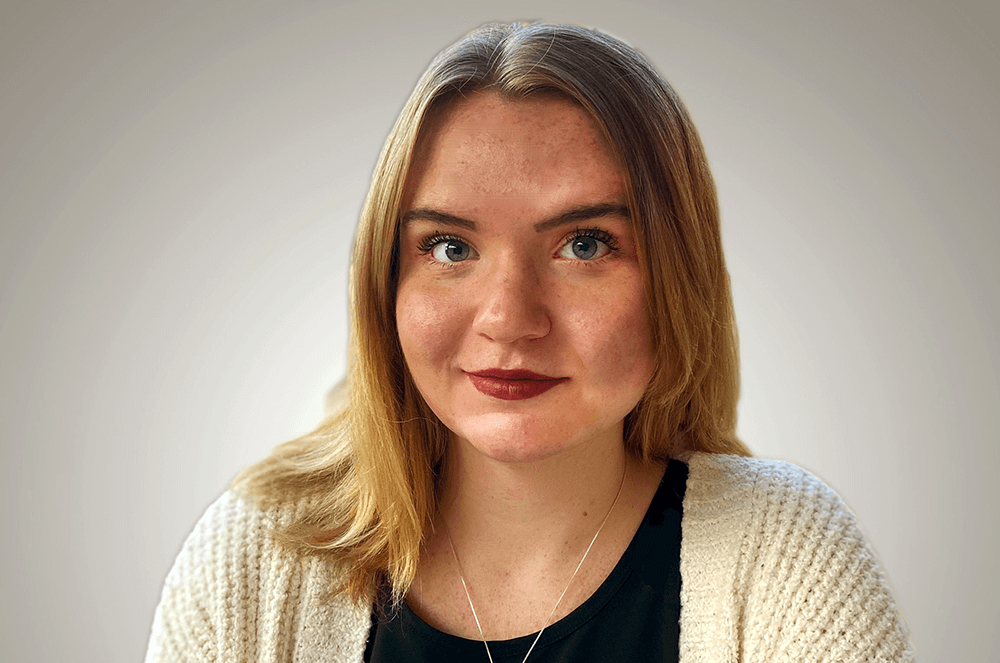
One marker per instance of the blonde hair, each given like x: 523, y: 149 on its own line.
x: 364, y: 481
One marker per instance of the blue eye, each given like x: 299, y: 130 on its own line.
x: 588, y: 245
x: 451, y: 250
x: 447, y: 249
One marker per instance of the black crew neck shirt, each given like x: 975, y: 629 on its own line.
x: 633, y: 616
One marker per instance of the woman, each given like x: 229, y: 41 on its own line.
x: 534, y: 456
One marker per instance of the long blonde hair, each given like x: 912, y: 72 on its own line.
x: 363, y: 483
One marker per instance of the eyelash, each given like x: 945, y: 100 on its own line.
x: 427, y: 244
x: 594, y: 233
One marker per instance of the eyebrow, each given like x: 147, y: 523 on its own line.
x: 574, y: 215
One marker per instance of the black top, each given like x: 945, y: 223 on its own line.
x: 633, y: 615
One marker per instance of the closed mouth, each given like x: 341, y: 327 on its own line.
x: 512, y: 384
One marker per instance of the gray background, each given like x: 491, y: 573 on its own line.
x: 178, y: 189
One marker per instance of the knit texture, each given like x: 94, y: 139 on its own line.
x: 234, y: 596
x: 774, y: 567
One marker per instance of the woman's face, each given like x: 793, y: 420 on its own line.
x: 520, y: 306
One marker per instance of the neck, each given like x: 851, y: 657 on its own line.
x: 533, y: 508
x: 519, y: 531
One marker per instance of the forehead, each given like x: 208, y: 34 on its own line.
x: 487, y: 145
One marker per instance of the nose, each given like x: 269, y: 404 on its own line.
x: 511, y: 302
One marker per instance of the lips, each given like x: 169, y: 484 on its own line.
x: 512, y: 384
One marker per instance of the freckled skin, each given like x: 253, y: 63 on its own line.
x: 519, y: 302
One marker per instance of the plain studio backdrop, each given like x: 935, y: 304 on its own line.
x: 179, y: 185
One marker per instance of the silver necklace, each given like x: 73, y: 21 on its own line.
x: 556, y: 606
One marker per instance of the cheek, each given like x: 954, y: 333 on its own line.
x: 428, y: 326
x: 616, y: 335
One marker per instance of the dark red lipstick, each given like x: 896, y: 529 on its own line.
x: 512, y: 385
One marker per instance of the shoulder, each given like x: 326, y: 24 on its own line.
x: 235, y: 594
x: 723, y: 477
x: 782, y: 566
x: 229, y: 524
x: 736, y: 494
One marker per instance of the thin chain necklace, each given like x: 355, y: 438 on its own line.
x: 556, y: 606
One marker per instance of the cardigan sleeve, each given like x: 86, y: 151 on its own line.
x: 187, y: 618
x: 233, y: 596
x: 797, y: 578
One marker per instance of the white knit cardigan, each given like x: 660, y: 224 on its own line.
x: 774, y: 567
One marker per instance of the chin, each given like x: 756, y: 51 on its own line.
x: 514, y: 438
